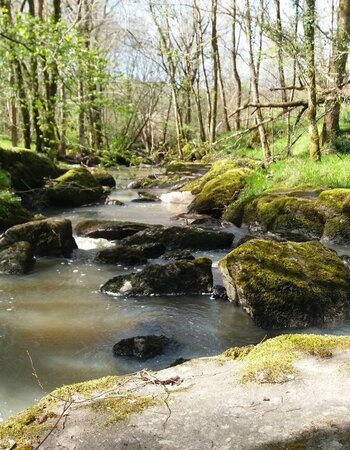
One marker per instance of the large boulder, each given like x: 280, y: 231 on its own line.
x: 219, y: 192
x: 27, y: 169
x: 182, y: 238
x: 334, y: 204
x: 180, y: 277
x: 16, y: 259
x: 142, y: 347
x: 108, y: 229
x: 48, y: 237
x: 12, y: 212
x: 288, y: 284
x: 75, y: 188
x: 287, y: 215
x: 129, y: 255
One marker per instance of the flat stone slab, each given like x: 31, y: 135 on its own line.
x: 201, y: 405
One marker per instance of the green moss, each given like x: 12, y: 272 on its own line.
x: 27, y: 169
x: 184, y: 167
x: 119, y: 408
x: 272, y: 360
x: 288, y: 284
x: 218, y: 192
x: 283, y: 213
x: 87, y: 388
x: 27, y: 427
x: 334, y: 201
x: 11, y: 211
x: 337, y: 230
x: 74, y: 188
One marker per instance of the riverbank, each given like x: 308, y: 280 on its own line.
x: 202, y: 404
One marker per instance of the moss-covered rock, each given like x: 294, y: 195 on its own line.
x: 12, y: 212
x: 160, y: 181
x: 131, y: 255
x: 218, y: 192
x: 186, y: 167
x: 27, y: 169
x: 102, y: 176
x: 334, y: 201
x: 48, y: 237
x: 174, y: 238
x: 75, y: 188
x: 337, y: 230
x: 288, y: 284
x: 180, y: 277
x: 17, y: 258
x: 109, y: 229
x: 290, y: 216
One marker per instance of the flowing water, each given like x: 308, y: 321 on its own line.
x: 57, y: 328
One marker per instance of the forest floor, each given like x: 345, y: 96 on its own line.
x: 208, y: 408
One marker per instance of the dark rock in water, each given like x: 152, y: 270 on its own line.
x: 17, y: 258
x: 219, y: 293
x: 143, y: 347
x: 109, y: 229
x: 146, y: 197
x: 180, y: 277
x: 76, y: 187
x: 182, y: 238
x: 103, y: 177
x: 48, y: 237
x: 131, y: 255
x: 113, y: 202
x: 178, y: 254
x: 178, y: 361
x: 288, y: 284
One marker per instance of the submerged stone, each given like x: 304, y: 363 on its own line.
x: 109, y: 229
x: 16, y: 259
x: 180, y: 277
x: 48, y: 237
x: 174, y: 238
x: 143, y: 347
x: 130, y: 255
x: 288, y: 284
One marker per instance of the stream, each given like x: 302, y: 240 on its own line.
x: 57, y: 328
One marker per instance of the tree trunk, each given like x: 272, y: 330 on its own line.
x: 214, y: 58
x: 255, y: 86
x: 309, y: 38
x: 337, y: 71
x: 236, y: 78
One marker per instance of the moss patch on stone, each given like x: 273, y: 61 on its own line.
x: 87, y: 388
x: 334, y: 201
x: 12, y: 212
x: 118, y: 408
x: 27, y: 427
x: 218, y: 192
x: 284, y: 214
x: 271, y: 361
x: 288, y: 284
x: 74, y: 188
x: 26, y: 168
